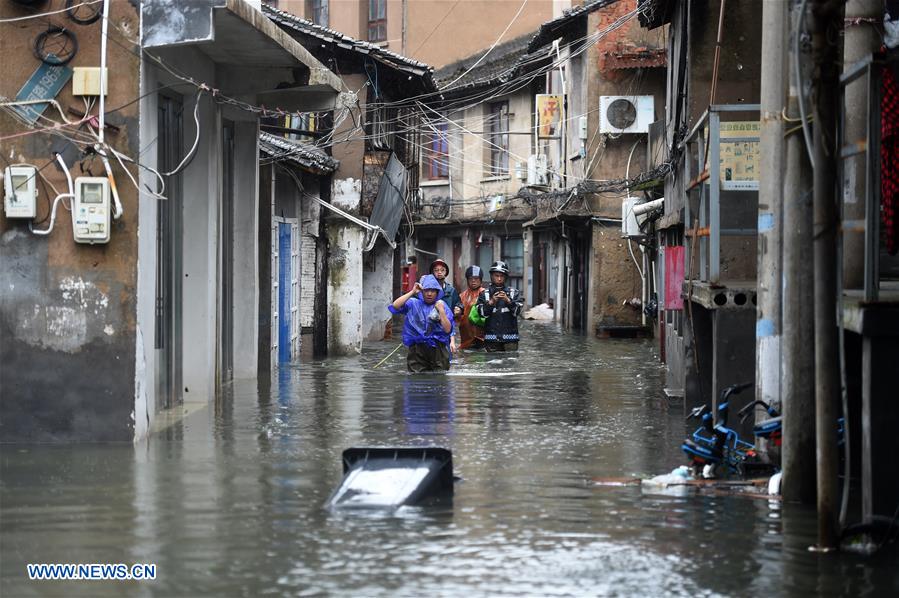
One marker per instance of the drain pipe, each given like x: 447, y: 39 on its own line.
x: 798, y: 364
x: 827, y: 16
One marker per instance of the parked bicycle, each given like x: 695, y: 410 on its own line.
x: 714, y: 444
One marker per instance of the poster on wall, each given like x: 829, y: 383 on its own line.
x: 740, y: 155
x: 550, y: 109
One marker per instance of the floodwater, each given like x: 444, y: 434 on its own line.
x: 229, y: 502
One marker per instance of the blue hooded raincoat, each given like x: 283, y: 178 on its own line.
x: 422, y: 323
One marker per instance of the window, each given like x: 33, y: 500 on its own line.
x: 513, y: 255
x: 436, y: 162
x: 484, y: 253
x: 377, y: 20
x: 317, y: 11
x: 498, y: 139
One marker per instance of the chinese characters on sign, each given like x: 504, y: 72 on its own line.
x: 740, y: 157
x: 44, y: 84
x: 549, y: 115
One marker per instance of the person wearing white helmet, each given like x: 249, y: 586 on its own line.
x: 500, y: 306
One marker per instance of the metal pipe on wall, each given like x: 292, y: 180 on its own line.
x: 826, y: 20
x: 798, y: 331
x: 770, y: 207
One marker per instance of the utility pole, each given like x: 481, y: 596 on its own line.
x: 798, y: 385
x: 770, y: 218
x: 826, y: 24
x: 860, y: 39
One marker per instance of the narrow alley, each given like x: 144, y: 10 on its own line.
x: 230, y: 501
x: 469, y: 298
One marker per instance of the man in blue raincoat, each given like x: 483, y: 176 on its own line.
x: 427, y: 327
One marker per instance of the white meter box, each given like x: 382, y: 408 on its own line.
x: 91, y: 213
x: 20, y: 191
x: 626, y: 114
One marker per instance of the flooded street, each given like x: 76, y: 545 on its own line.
x: 229, y: 501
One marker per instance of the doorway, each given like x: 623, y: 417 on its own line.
x: 285, y: 289
x: 226, y: 267
x: 168, y: 340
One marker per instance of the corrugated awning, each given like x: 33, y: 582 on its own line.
x: 307, y: 157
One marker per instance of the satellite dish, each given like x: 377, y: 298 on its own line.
x: 621, y: 113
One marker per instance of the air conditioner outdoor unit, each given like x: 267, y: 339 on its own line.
x: 625, y: 114
x: 538, y: 172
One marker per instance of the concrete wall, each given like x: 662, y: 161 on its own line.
x: 469, y: 189
x: 345, y: 244
x: 472, y: 24
x: 67, y: 332
x: 247, y: 284
x: 377, y: 285
x: 350, y: 153
x: 67, y: 311
x: 614, y: 276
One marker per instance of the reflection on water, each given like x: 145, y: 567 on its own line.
x: 230, y: 501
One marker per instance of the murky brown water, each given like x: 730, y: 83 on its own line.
x: 230, y: 501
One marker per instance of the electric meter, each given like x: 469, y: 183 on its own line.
x: 90, y: 212
x: 20, y: 198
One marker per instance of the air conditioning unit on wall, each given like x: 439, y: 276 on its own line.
x: 625, y: 114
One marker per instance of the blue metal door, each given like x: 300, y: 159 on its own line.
x: 284, y: 288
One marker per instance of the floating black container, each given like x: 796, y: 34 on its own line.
x: 387, y: 478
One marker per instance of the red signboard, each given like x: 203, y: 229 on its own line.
x: 674, y: 276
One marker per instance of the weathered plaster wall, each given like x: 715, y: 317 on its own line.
x: 67, y: 311
x: 377, y: 291
x: 473, y: 24
x: 145, y: 351
x: 614, y: 277
x: 345, y: 243
x: 476, y: 154
x: 351, y: 153
x: 247, y: 284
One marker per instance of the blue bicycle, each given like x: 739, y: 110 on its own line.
x: 713, y: 445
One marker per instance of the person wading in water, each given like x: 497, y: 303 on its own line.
x: 440, y: 270
x: 500, y: 306
x: 472, y: 333
x: 427, y: 326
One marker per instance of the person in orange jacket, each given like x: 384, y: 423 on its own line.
x: 472, y: 334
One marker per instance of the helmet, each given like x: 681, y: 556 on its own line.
x: 474, y: 272
x: 499, y: 266
x: 438, y: 262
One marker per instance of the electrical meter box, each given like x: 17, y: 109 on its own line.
x: 90, y: 212
x: 20, y: 191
